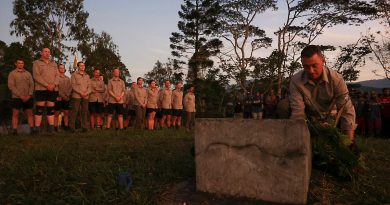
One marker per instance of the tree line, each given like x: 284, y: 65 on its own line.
x: 217, y: 43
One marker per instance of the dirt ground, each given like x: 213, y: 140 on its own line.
x: 184, y: 193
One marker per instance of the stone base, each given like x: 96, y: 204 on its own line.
x: 268, y: 159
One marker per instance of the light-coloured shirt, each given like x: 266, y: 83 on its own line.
x: 152, y: 99
x: 21, y: 83
x: 165, y: 98
x: 330, y: 87
x: 177, y: 99
x: 116, y: 87
x: 80, y: 84
x: 64, y: 87
x: 98, y: 90
x: 140, y: 96
x: 189, y: 102
x: 45, y: 73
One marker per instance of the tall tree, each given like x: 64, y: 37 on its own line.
x: 379, y: 41
x: 194, y: 43
x: 56, y: 24
x: 350, y: 58
x: 306, y: 20
x: 165, y: 71
x: 243, y: 37
x: 102, y: 53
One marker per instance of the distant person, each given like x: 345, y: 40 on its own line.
x: 385, y: 100
x: 96, y: 100
x: 80, y: 97
x: 21, y: 85
x: 177, y: 105
x: 165, y: 103
x: 63, y: 99
x: 248, y: 105
x: 361, y: 108
x: 238, y: 113
x: 270, y: 102
x: 257, y: 106
x: 229, y: 109
x: 374, y: 120
x: 116, y: 92
x: 318, y: 90
x: 189, y: 105
x: 46, y: 77
x: 151, y: 105
x: 130, y: 105
x: 140, y: 96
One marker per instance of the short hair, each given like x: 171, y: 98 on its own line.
x: 80, y: 62
x: 150, y: 81
x: 139, y: 78
x: 19, y: 59
x: 95, y: 69
x: 58, y: 66
x: 310, y: 50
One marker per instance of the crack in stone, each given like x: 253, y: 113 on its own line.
x: 288, y: 154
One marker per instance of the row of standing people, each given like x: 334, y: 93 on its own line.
x: 372, y: 112
x: 54, y: 92
x: 256, y: 106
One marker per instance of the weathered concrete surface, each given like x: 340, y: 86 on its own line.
x: 262, y: 159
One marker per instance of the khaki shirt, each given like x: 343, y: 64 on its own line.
x: 80, y: 84
x: 330, y: 87
x: 116, y: 87
x: 177, y: 99
x: 21, y: 83
x: 45, y: 73
x: 152, y: 99
x: 140, y: 96
x: 98, y: 90
x: 64, y: 87
x: 130, y: 99
x: 189, y: 102
x: 165, y: 98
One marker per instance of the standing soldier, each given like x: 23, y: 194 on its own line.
x: 116, y: 93
x: 177, y: 105
x: 140, y: 95
x: 96, y: 100
x: 46, y: 76
x: 165, y: 101
x: 62, y: 103
x: 21, y: 84
x: 81, y: 88
x: 151, y: 106
x: 130, y: 104
x: 189, y: 104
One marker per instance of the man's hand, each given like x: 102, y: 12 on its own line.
x: 25, y: 98
x: 51, y: 86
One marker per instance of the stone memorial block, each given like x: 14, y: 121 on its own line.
x: 265, y: 159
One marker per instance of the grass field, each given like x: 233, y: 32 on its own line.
x: 83, y: 169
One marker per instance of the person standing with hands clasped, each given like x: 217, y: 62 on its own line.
x: 21, y: 84
x: 46, y: 77
x: 116, y: 92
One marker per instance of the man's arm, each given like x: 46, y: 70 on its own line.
x: 296, y: 102
x: 344, y: 105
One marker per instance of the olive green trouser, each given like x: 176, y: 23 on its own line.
x: 190, y: 120
x: 77, y: 105
x: 139, y: 117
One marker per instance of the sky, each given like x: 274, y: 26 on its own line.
x: 141, y: 29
